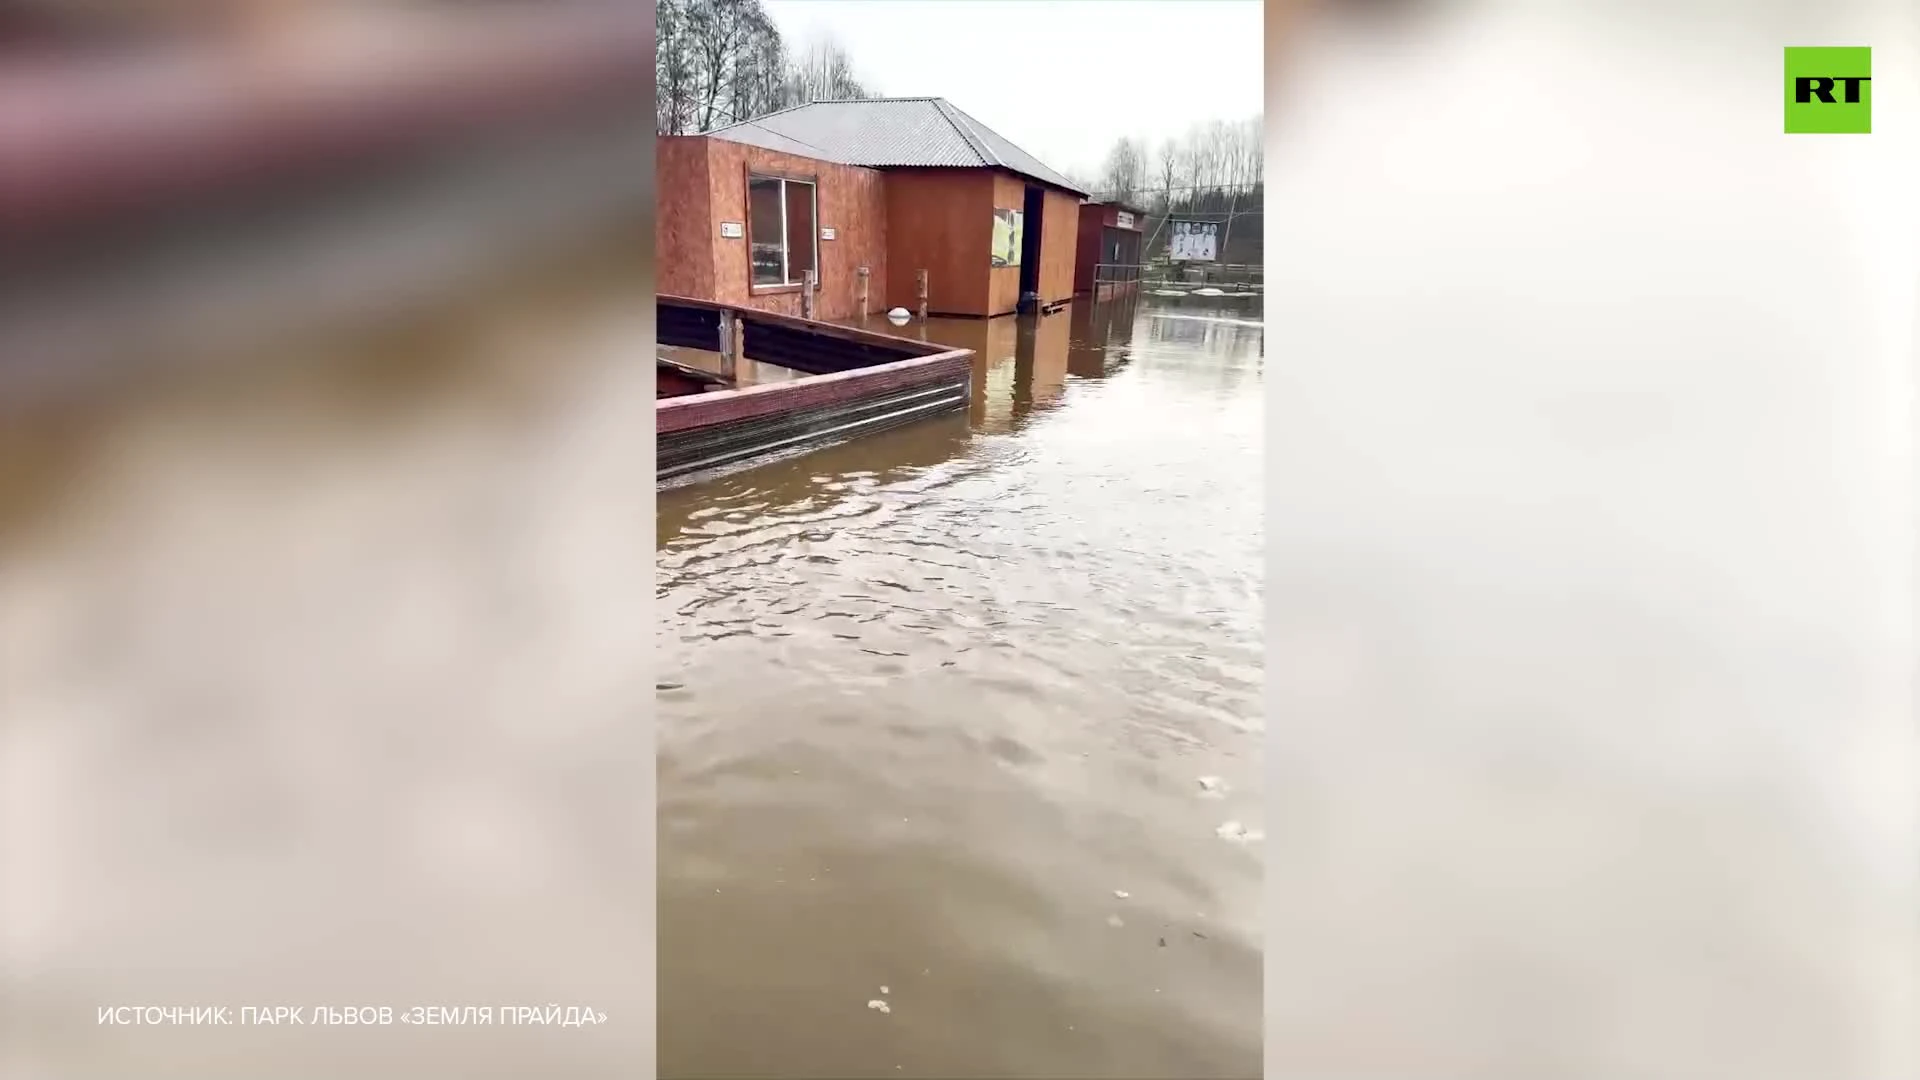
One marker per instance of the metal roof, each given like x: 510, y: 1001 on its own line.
x: 890, y: 132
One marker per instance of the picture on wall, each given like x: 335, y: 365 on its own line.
x: 1007, y: 225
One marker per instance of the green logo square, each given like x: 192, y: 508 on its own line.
x: 1829, y: 91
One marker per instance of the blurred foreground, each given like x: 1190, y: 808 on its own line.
x: 325, y: 483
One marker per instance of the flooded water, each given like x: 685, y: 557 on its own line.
x: 960, y: 724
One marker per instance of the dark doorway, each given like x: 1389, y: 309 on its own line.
x: 1030, y: 241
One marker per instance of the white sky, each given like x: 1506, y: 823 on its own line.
x: 1063, y: 79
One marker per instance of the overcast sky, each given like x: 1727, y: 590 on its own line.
x: 1063, y: 79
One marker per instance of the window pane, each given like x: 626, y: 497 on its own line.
x: 763, y: 230
x: 801, y: 235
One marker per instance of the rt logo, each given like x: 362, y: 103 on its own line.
x: 1829, y: 91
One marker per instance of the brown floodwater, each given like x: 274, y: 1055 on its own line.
x: 965, y: 718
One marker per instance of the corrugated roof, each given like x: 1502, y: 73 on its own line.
x: 753, y: 133
x: 896, y: 132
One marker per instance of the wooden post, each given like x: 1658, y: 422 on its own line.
x: 923, y: 295
x: 806, y: 295
x: 727, y: 348
x: 860, y: 289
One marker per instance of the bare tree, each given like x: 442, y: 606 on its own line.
x: 823, y: 72
x: 720, y: 27
x: 1253, y: 140
x: 718, y: 62
x: 759, y: 69
x: 673, y: 67
x: 1169, y: 172
x: 1125, y: 171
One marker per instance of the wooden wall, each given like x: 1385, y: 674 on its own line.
x: 851, y: 201
x: 1059, y: 233
x: 1003, y: 288
x: 1092, y: 220
x: 1095, y: 220
x: 895, y: 223
x: 683, y: 257
x: 941, y: 221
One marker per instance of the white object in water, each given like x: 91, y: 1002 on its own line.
x: 1208, y: 292
x: 879, y: 1006
x: 883, y: 990
x: 1121, y: 894
x: 899, y: 316
x: 1239, y: 833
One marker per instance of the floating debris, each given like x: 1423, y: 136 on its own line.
x: 669, y: 686
x: 1163, y: 943
x: 879, y: 1006
x: 883, y: 990
x: 1212, y: 785
x: 1239, y: 833
x: 1121, y: 894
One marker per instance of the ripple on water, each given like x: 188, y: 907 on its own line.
x: 1000, y: 658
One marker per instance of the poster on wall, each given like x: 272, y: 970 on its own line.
x: 1194, y: 241
x: 1006, y: 237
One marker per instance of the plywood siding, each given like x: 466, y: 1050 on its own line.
x: 940, y: 220
x: 1059, y: 232
x: 851, y: 201
x: 1087, y: 248
x: 683, y: 256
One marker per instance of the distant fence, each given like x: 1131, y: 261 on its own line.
x: 1163, y: 272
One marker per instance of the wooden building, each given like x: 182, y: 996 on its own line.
x: 741, y: 225
x: 1111, y: 236
x: 894, y: 185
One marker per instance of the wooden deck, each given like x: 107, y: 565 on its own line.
x: 856, y: 382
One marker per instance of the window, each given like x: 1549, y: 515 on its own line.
x: 781, y: 230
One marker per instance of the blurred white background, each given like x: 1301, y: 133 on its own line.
x: 1591, y: 520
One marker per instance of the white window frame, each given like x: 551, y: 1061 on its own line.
x: 786, y: 230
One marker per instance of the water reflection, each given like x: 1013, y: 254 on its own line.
x: 1097, y: 328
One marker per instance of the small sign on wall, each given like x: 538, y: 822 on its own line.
x: 1124, y: 220
x: 826, y: 234
x: 732, y: 230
